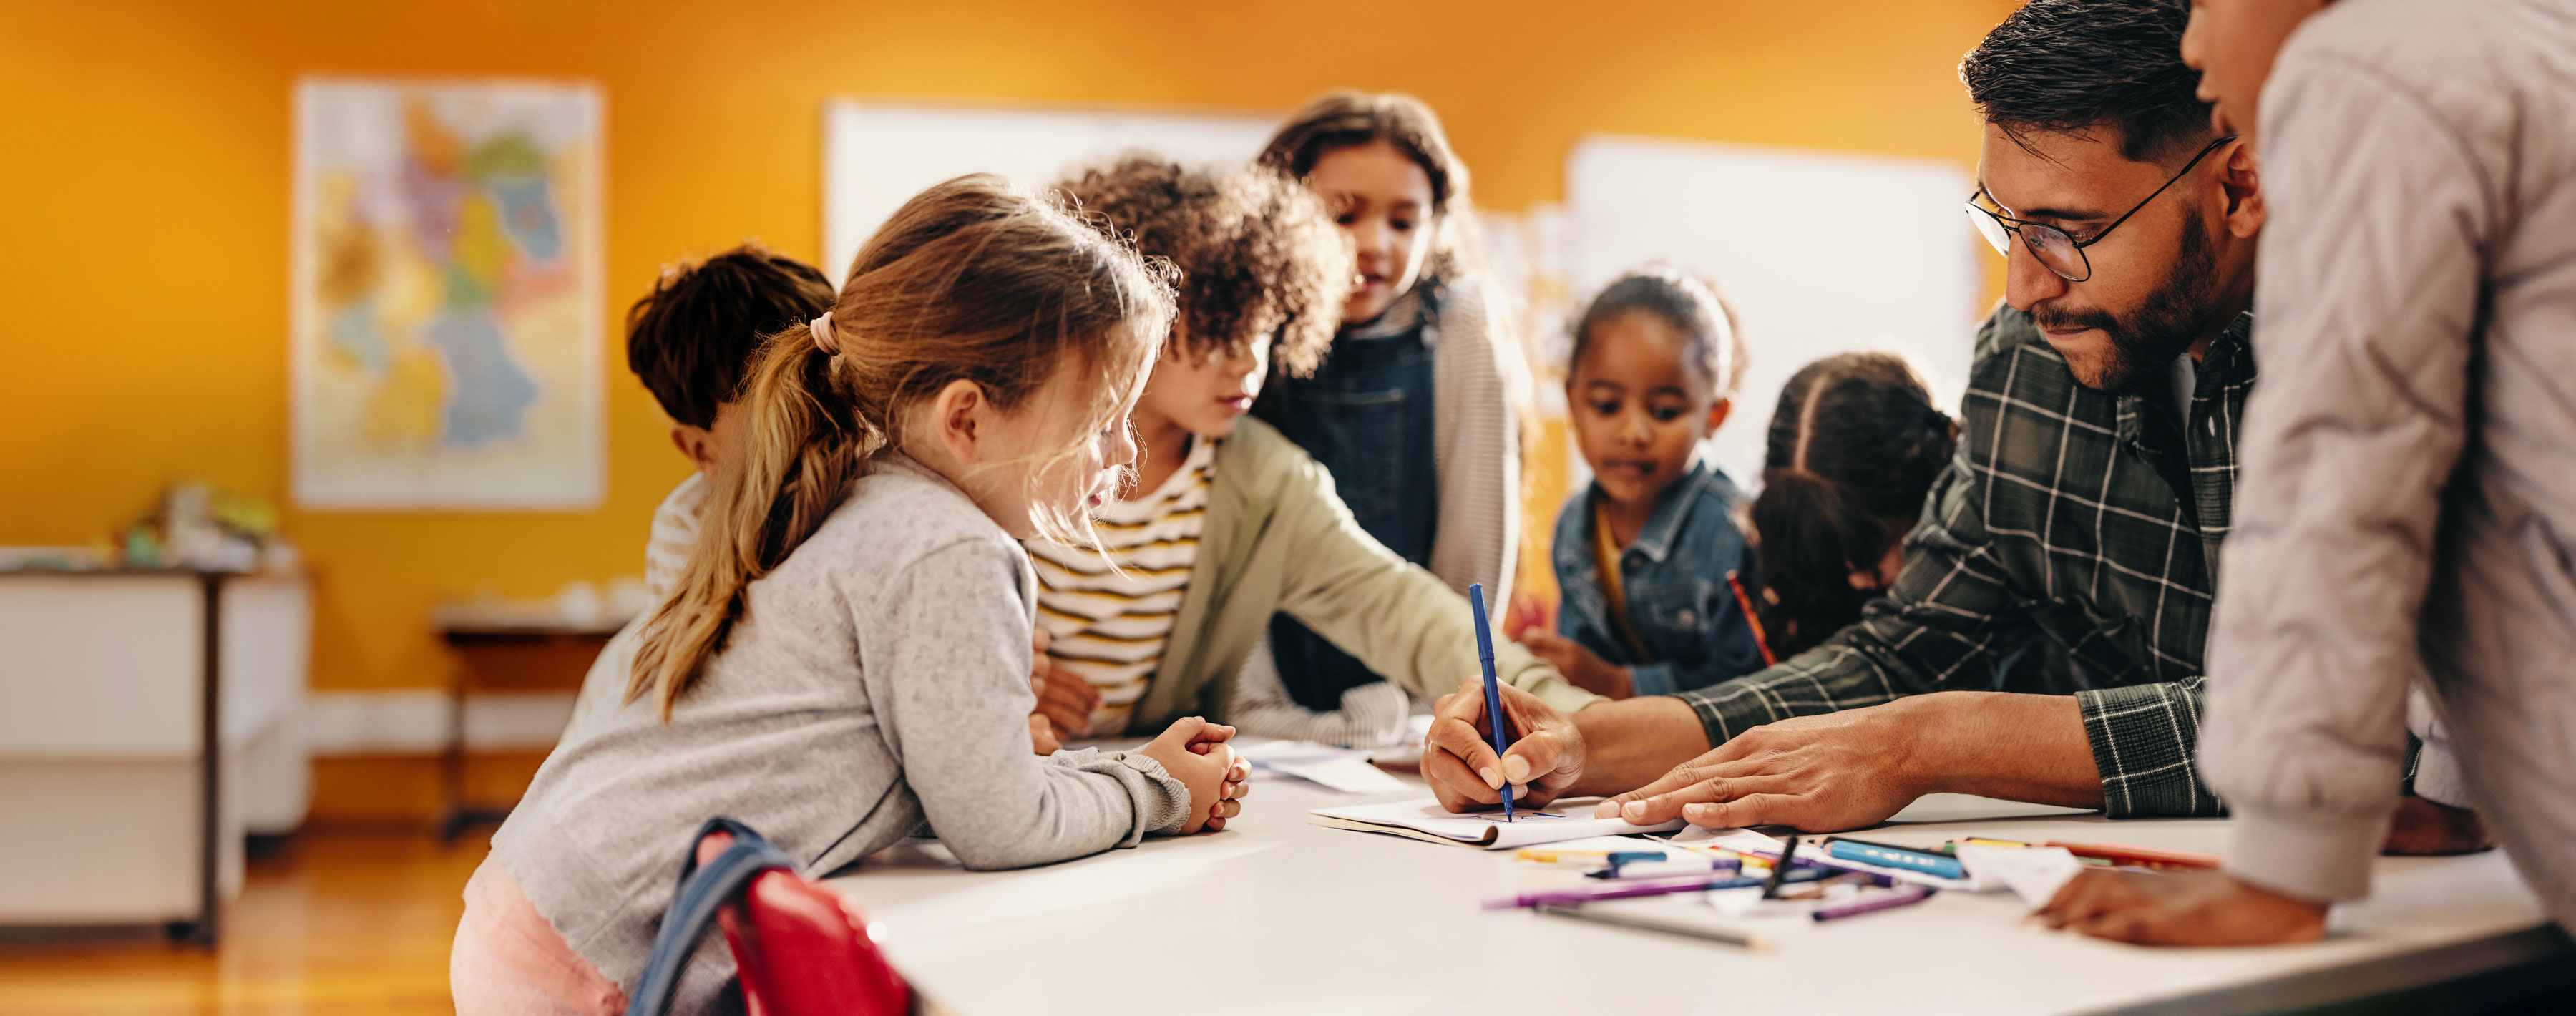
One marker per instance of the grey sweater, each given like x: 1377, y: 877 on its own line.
x: 877, y: 684
x: 2407, y: 508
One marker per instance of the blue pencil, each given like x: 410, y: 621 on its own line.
x: 1493, y: 691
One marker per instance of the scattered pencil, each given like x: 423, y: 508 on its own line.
x: 1702, y: 932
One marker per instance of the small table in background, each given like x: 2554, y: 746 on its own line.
x: 506, y: 646
x: 149, y: 715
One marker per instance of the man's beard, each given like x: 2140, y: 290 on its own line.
x: 2145, y: 342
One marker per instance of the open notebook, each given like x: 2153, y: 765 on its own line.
x: 1428, y: 821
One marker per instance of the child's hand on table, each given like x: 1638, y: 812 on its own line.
x: 1238, y: 770
x: 1582, y: 666
x: 1042, y: 739
x: 2194, y: 908
x: 2426, y: 827
x: 1194, y: 752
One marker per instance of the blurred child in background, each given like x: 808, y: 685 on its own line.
x: 1414, y: 409
x: 689, y: 341
x: 1854, y: 446
x: 1647, y: 556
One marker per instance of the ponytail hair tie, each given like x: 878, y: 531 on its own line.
x: 824, y: 338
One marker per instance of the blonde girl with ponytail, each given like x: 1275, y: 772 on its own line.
x: 845, y: 658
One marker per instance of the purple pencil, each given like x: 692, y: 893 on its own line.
x: 1640, y: 887
x: 1909, y: 895
x: 1875, y: 877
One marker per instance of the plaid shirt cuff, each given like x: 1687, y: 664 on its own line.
x: 1827, y: 679
x: 2144, y: 740
x: 1728, y: 708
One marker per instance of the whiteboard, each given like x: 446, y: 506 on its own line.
x: 1820, y: 253
x: 878, y: 155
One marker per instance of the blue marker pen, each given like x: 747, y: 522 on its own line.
x: 1493, y: 691
x: 1910, y: 860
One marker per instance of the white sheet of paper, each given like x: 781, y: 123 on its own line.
x: 1556, y: 823
x: 1268, y: 749
x: 2034, y: 873
x: 1739, y: 840
x: 1349, y: 774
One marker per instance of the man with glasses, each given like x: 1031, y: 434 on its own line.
x: 2044, y: 639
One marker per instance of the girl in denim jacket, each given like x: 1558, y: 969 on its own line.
x: 1648, y: 554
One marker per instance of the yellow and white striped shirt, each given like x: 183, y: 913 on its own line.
x: 1108, y: 626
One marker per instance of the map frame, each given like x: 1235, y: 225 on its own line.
x: 564, y: 466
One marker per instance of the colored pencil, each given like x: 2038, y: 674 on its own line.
x: 2152, y: 857
x: 1493, y: 690
x: 1780, y: 869
x: 1643, y: 887
x: 1641, y: 923
x: 1906, y: 896
x: 1761, y: 639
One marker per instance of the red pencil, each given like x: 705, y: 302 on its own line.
x: 1745, y: 603
x: 2151, y: 857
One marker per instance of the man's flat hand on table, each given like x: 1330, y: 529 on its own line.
x: 1823, y: 773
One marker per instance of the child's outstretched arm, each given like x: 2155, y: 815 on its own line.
x: 1371, y: 714
x: 944, y: 646
x: 1402, y: 621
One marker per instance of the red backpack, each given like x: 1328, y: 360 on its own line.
x: 801, y: 949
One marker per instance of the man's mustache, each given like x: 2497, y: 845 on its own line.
x: 2059, y: 319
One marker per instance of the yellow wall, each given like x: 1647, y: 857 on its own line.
x: 143, y: 195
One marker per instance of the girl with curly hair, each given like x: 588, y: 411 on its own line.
x: 1415, y: 408
x: 1228, y: 522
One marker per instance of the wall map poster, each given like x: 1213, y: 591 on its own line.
x: 445, y: 294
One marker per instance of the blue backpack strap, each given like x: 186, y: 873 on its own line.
x: 701, y: 893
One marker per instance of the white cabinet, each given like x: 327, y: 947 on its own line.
x: 104, y: 760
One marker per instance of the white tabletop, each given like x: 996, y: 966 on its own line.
x: 1278, y: 916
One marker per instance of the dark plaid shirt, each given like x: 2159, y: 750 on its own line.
x: 2071, y: 547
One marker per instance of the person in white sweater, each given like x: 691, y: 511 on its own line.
x: 2407, y: 517
x: 844, y: 660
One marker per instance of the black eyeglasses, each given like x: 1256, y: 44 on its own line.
x: 2057, y: 251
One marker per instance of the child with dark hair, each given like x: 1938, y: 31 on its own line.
x: 1854, y: 445
x: 689, y: 341
x: 1647, y: 554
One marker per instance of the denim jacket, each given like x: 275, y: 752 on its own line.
x: 1674, y: 575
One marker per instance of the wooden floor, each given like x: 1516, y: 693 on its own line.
x: 333, y: 922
